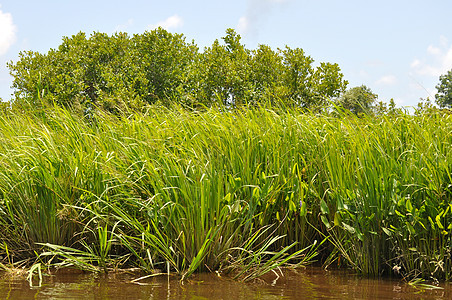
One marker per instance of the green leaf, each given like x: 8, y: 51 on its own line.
x: 325, y: 221
x: 399, y: 214
x: 303, y: 209
x: 292, y: 206
x: 431, y: 222
x: 387, y: 231
x: 227, y: 198
x: 409, y: 206
x: 360, y: 236
x: 349, y: 228
x: 337, y: 219
x: 410, y: 228
x: 438, y: 222
x: 340, y: 204
x: 256, y: 192
x: 324, y: 207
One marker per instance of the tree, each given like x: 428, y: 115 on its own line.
x: 358, y: 100
x: 106, y: 71
x: 444, y: 95
x: 163, y: 58
x: 116, y: 71
x: 381, y: 108
x: 297, y: 74
x: 266, y: 75
x: 236, y: 75
x: 392, y: 106
x: 328, y: 83
x: 79, y: 70
x: 225, y: 71
x: 307, y: 86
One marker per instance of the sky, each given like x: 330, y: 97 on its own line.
x: 397, y: 48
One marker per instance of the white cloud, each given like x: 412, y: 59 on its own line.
x: 256, y: 12
x: 443, y: 41
x: 415, y: 63
x: 170, y: 23
x: 7, y: 32
x: 437, y: 62
x: 387, y: 80
x: 243, y: 25
x: 433, y: 50
x: 447, y: 61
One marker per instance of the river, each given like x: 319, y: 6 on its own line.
x: 309, y: 283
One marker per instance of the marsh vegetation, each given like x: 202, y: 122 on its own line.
x: 240, y: 192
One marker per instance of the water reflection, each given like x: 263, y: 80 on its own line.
x: 311, y: 283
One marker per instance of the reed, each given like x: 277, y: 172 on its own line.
x: 221, y: 190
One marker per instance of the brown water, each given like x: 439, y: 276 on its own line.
x: 311, y: 283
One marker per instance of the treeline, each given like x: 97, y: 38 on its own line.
x: 117, y: 71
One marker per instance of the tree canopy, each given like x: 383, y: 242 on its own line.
x: 444, y: 95
x: 358, y: 100
x: 111, y: 71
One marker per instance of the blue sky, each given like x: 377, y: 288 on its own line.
x: 398, y: 48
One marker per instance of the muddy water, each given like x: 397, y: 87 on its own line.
x: 311, y: 283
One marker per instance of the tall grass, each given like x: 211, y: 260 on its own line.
x: 243, y: 191
x: 389, y: 193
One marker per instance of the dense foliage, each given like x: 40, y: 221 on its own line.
x: 119, y: 71
x: 444, y: 95
x: 358, y: 100
x: 227, y: 190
